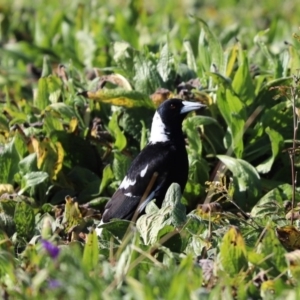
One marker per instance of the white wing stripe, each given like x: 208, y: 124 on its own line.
x: 126, y: 183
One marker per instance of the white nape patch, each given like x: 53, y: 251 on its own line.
x: 158, y: 130
x: 143, y: 172
x: 126, y: 183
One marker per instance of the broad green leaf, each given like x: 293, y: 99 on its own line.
x: 190, y: 128
x: 8, y: 205
x: 28, y: 164
x: 294, y: 61
x: 46, y: 71
x: 91, y: 252
x: 121, y: 164
x: 49, y: 91
x: 277, y: 143
x: 278, y: 195
x: 233, y: 254
x: 172, y: 213
x: 52, y: 123
x: 246, y: 181
x: 117, y: 228
x: 9, y: 160
x: 7, y: 224
x: 32, y: 179
x: 165, y: 63
x: 16, y: 116
x: 177, y: 290
x: 65, y: 111
x: 120, y: 139
x: 273, y: 251
x: 147, y: 78
x: 107, y: 177
x: 123, y: 55
x: 24, y: 219
x: 7, y: 265
x: 121, y: 97
x: 191, y: 62
x: 173, y: 199
x: 260, y: 41
x: 201, y: 120
x: 233, y: 111
x: 215, y: 47
x: 242, y: 82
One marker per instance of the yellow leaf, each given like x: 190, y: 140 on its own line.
x: 6, y: 188
x: 289, y: 236
x: 73, y: 125
x: 60, y: 158
x: 120, y: 97
x: 39, y: 150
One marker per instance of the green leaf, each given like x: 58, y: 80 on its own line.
x: 47, y: 70
x: 49, y: 91
x: 233, y: 254
x: 120, y: 139
x: 147, y: 78
x: 260, y: 41
x: 215, y: 47
x: 121, y: 97
x: 201, y: 120
x: 24, y: 219
x: 121, y: 164
x: 123, y: 55
x: 165, y: 63
x: 117, y: 228
x: 32, y: 179
x: 9, y: 160
x: 7, y: 224
x: 173, y: 199
x: 28, y: 164
x: 242, y: 82
x: 277, y: 195
x: 91, y: 252
x: 172, y: 213
x: 65, y: 111
x: 191, y: 62
x: 273, y: 252
x: 107, y: 177
x: 277, y: 143
x: 246, y: 181
x: 233, y: 111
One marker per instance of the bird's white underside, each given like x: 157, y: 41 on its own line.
x: 158, y: 130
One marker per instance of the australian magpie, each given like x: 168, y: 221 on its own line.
x: 165, y: 154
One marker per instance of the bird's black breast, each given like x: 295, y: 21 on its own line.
x: 168, y: 159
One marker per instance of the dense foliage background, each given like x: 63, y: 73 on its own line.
x: 79, y: 83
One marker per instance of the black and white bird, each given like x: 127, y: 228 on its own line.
x: 165, y: 154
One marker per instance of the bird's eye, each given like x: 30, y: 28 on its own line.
x: 172, y: 106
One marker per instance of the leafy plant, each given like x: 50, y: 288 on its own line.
x: 79, y: 84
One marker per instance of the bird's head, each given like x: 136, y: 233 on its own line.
x: 168, y: 118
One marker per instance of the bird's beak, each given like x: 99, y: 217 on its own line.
x: 190, y: 106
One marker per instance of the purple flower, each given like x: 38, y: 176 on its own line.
x: 52, y: 250
x: 53, y: 284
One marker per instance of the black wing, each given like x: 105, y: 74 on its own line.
x: 153, y: 158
